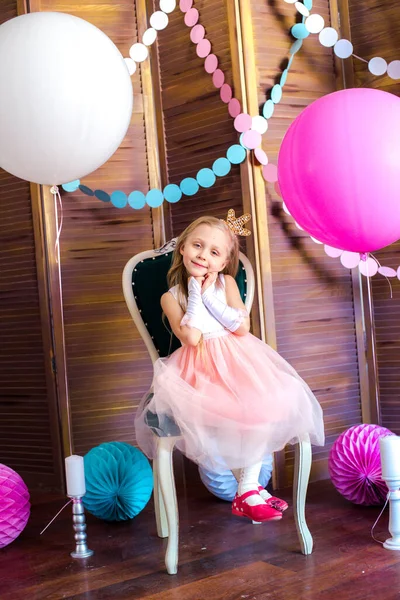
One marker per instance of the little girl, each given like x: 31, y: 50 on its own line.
x: 234, y: 399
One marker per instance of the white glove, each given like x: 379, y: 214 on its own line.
x: 195, y: 311
x: 230, y: 318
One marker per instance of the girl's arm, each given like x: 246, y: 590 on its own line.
x: 172, y: 310
x: 234, y: 300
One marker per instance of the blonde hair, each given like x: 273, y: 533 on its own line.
x: 177, y: 274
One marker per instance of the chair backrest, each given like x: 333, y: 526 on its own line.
x: 144, y: 281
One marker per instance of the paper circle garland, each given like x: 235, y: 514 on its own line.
x: 119, y: 481
x: 355, y: 465
x: 14, y: 505
x: 224, y: 485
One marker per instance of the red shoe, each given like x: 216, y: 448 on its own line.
x: 275, y: 502
x: 260, y: 513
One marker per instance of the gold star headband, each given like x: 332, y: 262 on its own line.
x: 237, y: 224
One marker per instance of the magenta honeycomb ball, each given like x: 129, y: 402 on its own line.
x: 355, y: 465
x: 14, y: 505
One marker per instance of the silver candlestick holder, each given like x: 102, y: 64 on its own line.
x: 79, y: 521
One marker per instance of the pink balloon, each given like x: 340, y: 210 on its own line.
x: 338, y: 173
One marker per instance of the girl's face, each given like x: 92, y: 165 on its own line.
x: 206, y: 250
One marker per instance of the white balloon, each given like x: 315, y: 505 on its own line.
x: 66, y: 99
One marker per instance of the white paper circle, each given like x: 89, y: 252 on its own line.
x: 131, y: 65
x: 314, y: 23
x: 343, y: 49
x: 303, y: 10
x: 368, y: 267
x: 398, y: 273
x: 332, y: 252
x: 377, y: 66
x: 286, y: 210
x: 149, y: 36
x: 159, y: 20
x: 290, y: 1
x: 328, y: 37
x: 315, y: 240
x: 138, y: 52
x: 393, y: 69
x: 258, y: 123
x: 167, y: 6
x: 350, y: 260
x: 387, y: 271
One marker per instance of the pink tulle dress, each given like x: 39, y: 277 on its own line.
x: 234, y: 399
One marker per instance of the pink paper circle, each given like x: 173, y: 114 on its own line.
x: 185, y: 5
x: 332, y: 252
x: 270, y: 173
x: 218, y: 78
x: 203, y: 48
x: 211, y: 63
x: 351, y: 260
x: 261, y: 156
x: 234, y: 107
x: 191, y: 17
x: 369, y: 267
x: 226, y: 93
x: 387, y: 271
x: 197, y: 33
x: 251, y: 139
x: 242, y: 122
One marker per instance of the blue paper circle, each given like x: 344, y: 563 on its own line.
x: 71, y: 186
x: 136, y: 200
x: 295, y: 47
x: 103, y: 196
x: 283, y: 78
x: 172, y: 193
x: 154, y: 198
x: 268, y: 109
x: 221, y: 167
x: 308, y: 4
x: 224, y: 485
x: 119, y: 481
x: 86, y: 190
x: 300, y: 31
x: 119, y: 199
x: 189, y: 186
x: 236, y: 154
x: 205, y: 178
x: 276, y: 93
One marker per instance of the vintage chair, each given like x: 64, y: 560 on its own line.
x: 144, y: 281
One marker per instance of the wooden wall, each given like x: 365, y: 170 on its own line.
x: 27, y: 432
x: 375, y: 31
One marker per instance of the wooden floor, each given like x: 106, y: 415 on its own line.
x: 221, y: 557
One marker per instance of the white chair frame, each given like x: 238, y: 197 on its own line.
x: 165, y: 500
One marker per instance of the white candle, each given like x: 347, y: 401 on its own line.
x: 390, y: 456
x: 75, y: 475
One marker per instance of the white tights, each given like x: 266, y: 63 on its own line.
x: 247, y: 479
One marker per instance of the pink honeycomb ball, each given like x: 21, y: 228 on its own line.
x: 15, y: 507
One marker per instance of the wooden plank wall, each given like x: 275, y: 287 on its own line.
x: 25, y: 429
x: 107, y: 364
x: 375, y: 31
x: 313, y: 295
x: 197, y: 126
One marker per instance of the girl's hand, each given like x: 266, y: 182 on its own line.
x: 209, y: 280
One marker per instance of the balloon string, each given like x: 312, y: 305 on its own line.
x: 57, y: 199
x: 54, y: 518
x: 376, y: 522
x: 385, y: 276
